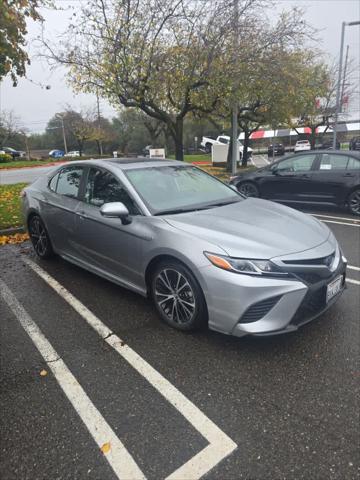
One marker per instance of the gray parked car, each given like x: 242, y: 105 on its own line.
x: 204, y: 253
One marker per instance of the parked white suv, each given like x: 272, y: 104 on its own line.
x: 302, y: 145
x: 73, y: 153
x: 208, y: 142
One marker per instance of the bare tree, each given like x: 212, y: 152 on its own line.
x: 167, y: 58
x: 9, y: 126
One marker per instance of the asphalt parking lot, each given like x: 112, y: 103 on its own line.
x: 94, y: 386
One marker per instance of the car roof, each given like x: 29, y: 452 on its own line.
x: 131, y: 163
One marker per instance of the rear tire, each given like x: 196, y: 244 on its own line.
x: 208, y: 148
x: 40, y: 238
x: 354, y: 202
x: 178, y: 297
x: 248, y: 189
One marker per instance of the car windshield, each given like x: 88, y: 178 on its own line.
x: 177, y: 189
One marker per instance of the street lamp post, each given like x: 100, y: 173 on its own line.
x: 338, y: 100
x: 235, y: 144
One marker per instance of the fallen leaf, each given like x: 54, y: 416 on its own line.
x: 106, y: 448
x: 43, y: 373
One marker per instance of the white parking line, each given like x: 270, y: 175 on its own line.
x: 336, y: 217
x: 341, y: 223
x: 351, y: 280
x: 220, y: 445
x: 351, y: 267
x: 118, y: 457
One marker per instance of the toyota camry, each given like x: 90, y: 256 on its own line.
x: 203, y: 252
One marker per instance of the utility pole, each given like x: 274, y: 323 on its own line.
x: 99, y: 121
x: 338, y: 101
x: 234, y: 117
x: 61, y: 118
x: 344, y: 79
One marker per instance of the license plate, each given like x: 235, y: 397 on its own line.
x: 334, y: 288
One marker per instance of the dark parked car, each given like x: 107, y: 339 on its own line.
x: 328, y: 145
x: 278, y: 149
x: 10, y: 151
x: 354, y: 143
x: 315, y: 177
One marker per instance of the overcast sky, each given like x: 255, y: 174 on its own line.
x: 35, y: 105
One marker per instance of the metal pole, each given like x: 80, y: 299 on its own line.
x: 63, y: 132
x: 344, y: 78
x: 235, y: 145
x: 98, y: 117
x: 337, y: 108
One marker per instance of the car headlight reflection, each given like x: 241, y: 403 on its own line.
x: 244, y: 265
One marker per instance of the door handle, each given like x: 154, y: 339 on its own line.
x: 348, y: 175
x: 305, y: 175
x: 81, y: 214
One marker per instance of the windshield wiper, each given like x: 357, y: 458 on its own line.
x: 194, y: 209
x: 179, y: 210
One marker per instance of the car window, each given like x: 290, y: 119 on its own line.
x: 173, y: 187
x: 299, y: 163
x: 102, y: 187
x: 68, y: 181
x: 332, y: 161
x: 53, y: 182
x: 223, y: 140
x: 353, y: 164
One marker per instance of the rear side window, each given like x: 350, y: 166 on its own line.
x: 67, y: 181
x: 331, y: 161
x: 353, y: 164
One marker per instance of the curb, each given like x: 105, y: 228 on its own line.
x: 53, y: 164
x: 12, y: 231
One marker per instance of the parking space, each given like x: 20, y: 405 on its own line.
x: 165, y: 404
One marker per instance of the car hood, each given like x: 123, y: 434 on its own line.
x: 254, y: 228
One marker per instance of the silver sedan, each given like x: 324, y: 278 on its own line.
x: 205, y: 254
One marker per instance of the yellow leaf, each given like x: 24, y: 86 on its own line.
x: 106, y: 448
x: 43, y: 373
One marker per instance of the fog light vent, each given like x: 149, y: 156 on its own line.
x: 259, y: 310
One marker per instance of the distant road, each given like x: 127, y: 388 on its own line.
x: 23, y: 175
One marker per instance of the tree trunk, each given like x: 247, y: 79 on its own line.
x: 313, y: 138
x: 245, y: 149
x: 178, y: 139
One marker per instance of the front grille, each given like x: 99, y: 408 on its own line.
x: 309, y: 277
x: 312, y: 304
x: 328, y: 261
x: 259, y: 310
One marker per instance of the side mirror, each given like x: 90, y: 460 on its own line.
x: 116, y: 210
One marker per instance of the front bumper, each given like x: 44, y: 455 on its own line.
x: 287, y: 303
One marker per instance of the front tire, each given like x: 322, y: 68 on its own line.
x: 178, y: 297
x: 248, y: 189
x: 354, y: 202
x: 208, y: 148
x: 40, y: 238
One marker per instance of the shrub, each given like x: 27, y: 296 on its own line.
x: 4, y: 158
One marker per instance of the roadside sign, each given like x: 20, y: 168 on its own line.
x: 157, y: 152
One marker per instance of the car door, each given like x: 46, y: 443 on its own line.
x: 331, y: 176
x: 59, y: 208
x: 290, y: 179
x: 105, y: 244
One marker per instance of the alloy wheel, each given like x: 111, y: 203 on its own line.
x: 175, y: 296
x: 248, y: 189
x: 38, y: 236
x: 354, y: 202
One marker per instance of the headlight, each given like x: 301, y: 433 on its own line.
x: 246, y: 266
